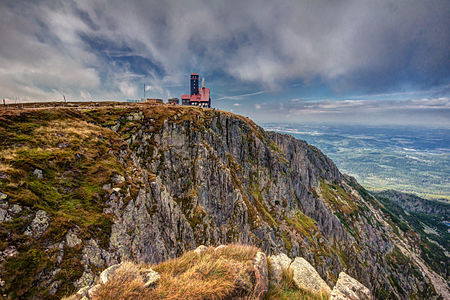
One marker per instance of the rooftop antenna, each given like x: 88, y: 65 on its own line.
x: 203, y: 82
x: 144, y: 90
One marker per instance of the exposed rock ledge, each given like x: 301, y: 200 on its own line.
x: 307, y: 278
x: 253, y: 282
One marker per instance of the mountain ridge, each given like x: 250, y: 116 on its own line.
x: 152, y: 182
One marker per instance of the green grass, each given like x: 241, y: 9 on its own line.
x: 430, y: 252
x: 75, y: 159
x: 303, y: 224
x: 262, y: 209
x: 338, y: 199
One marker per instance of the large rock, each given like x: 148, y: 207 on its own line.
x: 348, y: 288
x: 277, y: 264
x: 261, y: 275
x: 307, y: 278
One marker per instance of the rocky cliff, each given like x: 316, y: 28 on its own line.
x: 85, y: 188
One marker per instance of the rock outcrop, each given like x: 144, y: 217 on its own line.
x: 411, y: 202
x: 307, y: 278
x: 145, y: 280
x: 233, y: 271
x: 348, y: 288
x: 106, y: 274
x: 278, y: 263
x: 173, y: 178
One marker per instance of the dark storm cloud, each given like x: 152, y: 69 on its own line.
x: 106, y: 48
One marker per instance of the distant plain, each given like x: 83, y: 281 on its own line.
x: 404, y: 158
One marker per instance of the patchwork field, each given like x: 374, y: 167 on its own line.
x: 408, y: 159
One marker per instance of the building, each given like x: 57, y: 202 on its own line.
x: 199, y: 96
x: 185, y: 99
x: 152, y: 100
x: 174, y: 101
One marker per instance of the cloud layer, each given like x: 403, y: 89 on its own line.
x: 108, y: 49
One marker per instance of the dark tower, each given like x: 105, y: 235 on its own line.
x: 194, y: 84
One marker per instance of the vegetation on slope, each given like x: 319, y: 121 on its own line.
x: 209, y: 275
x: 215, y: 273
x: 77, y: 154
x: 75, y: 159
x: 80, y: 152
x: 434, y: 236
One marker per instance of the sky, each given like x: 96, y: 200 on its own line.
x: 343, y: 61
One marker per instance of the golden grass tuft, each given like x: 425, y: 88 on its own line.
x: 212, y: 274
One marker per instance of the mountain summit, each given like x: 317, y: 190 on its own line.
x: 84, y: 188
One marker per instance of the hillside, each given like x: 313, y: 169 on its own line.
x: 413, y: 203
x: 427, y: 218
x: 83, y: 188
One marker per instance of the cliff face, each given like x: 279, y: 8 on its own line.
x: 150, y: 183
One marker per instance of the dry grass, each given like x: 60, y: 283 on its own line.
x: 210, y: 275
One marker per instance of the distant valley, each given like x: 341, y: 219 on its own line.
x: 408, y: 159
